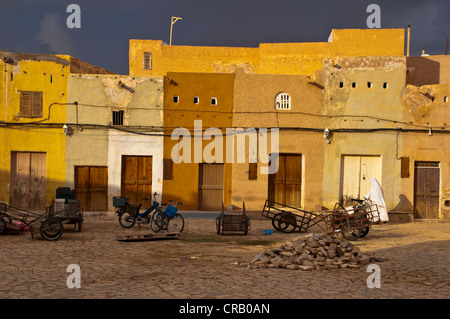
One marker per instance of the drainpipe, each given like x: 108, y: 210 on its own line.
x: 408, y: 40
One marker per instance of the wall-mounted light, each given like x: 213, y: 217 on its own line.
x: 328, y: 135
x: 67, y: 130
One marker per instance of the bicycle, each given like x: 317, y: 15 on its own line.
x: 168, y: 219
x: 129, y: 213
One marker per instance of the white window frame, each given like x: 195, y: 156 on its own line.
x: 283, y: 101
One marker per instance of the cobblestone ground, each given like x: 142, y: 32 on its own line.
x: 416, y: 264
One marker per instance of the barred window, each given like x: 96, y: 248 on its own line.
x: 117, y: 117
x: 147, y: 60
x: 283, y: 101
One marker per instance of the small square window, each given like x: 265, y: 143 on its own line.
x: 213, y: 101
x: 369, y: 84
x: 176, y: 99
x: 385, y: 85
x: 353, y: 84
x: 341, y: 84
x: 196, y: 100
x: 445, y: 99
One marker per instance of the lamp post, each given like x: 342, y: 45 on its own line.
x: 172, y: 22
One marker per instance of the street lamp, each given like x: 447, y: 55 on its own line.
x: 172, y: 22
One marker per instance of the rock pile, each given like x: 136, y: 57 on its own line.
x: 316, y: 251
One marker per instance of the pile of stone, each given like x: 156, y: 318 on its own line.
x: 315, y: 251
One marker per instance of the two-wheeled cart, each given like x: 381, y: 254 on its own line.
x: 353, y: 223
x: 70, y: 213
x: 50, y: 227
x: 288, y: 218
x: 234, y: 219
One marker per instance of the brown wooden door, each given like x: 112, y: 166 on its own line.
x: 137, y: 179
x: 426, y: 189
x: 210, y: 186
x: 28, y: 180
x: 91, y: 187
x: 285, y: 184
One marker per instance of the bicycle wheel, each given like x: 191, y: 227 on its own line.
x: 126, y: 220
x: 349, y: 232
x: 2, y: 225
x: 51, y: 229
x: 287, y: 223
x: 156, y: 221
x: 176, y: 224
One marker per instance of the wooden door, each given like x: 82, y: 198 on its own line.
x: 210, y: 186
x: 91, y: 187
x: 137, y: 179
x: 28, y: 180
x: 285, y: 184
x: 426, y: 189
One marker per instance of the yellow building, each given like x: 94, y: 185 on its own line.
x: 155, y: 58
x: 33, y: 103
x: 200, y: 106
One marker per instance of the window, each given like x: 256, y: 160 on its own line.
x: 353, y: 84
x: 369, y: 84
x: 213, y: 101
x: 196, y: 100
x: 253, y: 171
x: 167, y: 169
x: 385, y: 85
x: 176, y: 99
x: 341, y: 84
x: 117, y: 117
x: 283, y: 101
x: 445, y: 99
x: 30, y: 104
x: 147, y: 60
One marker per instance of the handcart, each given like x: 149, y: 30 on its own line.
x: 353, y: 223
x: 288, y: 218
x: 50, y: 227
x: 234, y: 220
x: 69, y: 213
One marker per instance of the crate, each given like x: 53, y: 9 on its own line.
x: 59, y: 204
x: 119, y: 201
x: 65, y: 193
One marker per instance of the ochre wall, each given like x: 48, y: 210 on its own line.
x: 271, y: 58
x: 254, y: 107
x: 184, y: 185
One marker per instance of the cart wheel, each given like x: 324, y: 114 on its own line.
x: 287, y: 223
x: 2, y: 225
x: 218, y: 225
x: 276, y: 221
x: 364, y: 232
x: 349, y: 232
x: 51, y: 229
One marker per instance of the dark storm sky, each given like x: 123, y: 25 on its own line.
x: 39, y: 26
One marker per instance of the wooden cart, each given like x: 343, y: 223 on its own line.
x: 234, y: 220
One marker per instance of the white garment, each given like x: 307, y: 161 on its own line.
x: 377, y: 197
